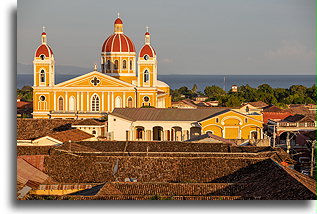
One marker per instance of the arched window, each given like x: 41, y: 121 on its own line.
x: 94, y: 132
x: 108, y: 65
x: 60, y: 104
x: 124, y: 64
x: 95, y: 103
x: 42, y: 76
x: 42, y: 103
x: 130, y: 64
x: 130, y: 102
x: 118, y: 102
x: 72, y: 103
x: 217, y: 120
x: 42, y: 56
x: 116, y: 65
x: 146, y: 76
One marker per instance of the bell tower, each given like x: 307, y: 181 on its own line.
x: 44, y: 64
x: 147, y: 64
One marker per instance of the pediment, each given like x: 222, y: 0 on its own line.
x: 94, y: 79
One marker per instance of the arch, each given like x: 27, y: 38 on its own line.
x: 116, y: 64
x: 231, y: 117
x: 42, y: 76
x: 118, y: 102
x: 177, y: 133
x: 108, y: 65
x: 60, y: 103
x: 72, y: 104
x: 158, y: 133
x: 124, y: 64
x: 130, y: 102
x: 95, y: 101
x: 42, y: 104
x: 146, y: 76
x: 139, y: 132
x: 130, y: 64
x: 42, y: 56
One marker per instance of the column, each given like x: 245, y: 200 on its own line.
x: 54, y: 100
x: 102, y: 101
x: 66, y: 101
x: 108, y: 109
x: 77, y: 101
x: 165, y: 135
x: 112, y: 101
x: 123, y: 101
x: 82, y: 101
x: 185, y: 135
x: 87, y: 101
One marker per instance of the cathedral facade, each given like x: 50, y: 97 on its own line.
x: 126, y: 80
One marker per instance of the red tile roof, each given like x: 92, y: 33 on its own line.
x: 71, y: 135
x: 89, y: 122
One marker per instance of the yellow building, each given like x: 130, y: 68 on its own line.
x: 93, y: 95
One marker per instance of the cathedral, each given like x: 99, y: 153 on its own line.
x: 126, y: 80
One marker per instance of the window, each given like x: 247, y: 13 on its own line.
x: 42, y: 76
x: 247, y: 109
x: 42, y: 56
x: 217, y: 120
x: 146, y: 76
x: 130, y: 64
x: 94, y: 132
x: 146, y: 57
x: 108, y: 65
x: 116, y: 64
x: 246, y: 120
x: 124, y: 64
x: 146, y: 99
x: 95, y: 103
x: 42, y: 98
x: 130, y: 104
x: 60, y: 104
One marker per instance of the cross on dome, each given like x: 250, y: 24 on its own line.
x: 43, y: 28
x: 118, y: 15
x: 147, y: 28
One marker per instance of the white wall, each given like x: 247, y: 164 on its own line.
x: 117, y: 127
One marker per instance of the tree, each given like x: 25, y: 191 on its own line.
x: 233, y: 101
x: 194, y: 89
x: 298, y: 89
x: 214, y: 91
x: 265, y: 88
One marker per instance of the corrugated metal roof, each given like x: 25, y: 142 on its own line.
x: 165, y: 114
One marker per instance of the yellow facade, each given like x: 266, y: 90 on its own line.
x: 94, y: 94
x: 234, y: 125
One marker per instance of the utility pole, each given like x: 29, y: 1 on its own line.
x: 312, y: 160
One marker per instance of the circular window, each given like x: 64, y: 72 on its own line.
x: 42, y: 98
x: 146, y: 99
x: 42, y: 56
x: 146, y: 57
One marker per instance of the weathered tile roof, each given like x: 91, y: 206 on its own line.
x: 273, y: 108
x: 30, y: 129
x: 165, y: 114
x: 258, y: 104
x: 71, y: 135
x: 89, y: 122
x: 298, y: 118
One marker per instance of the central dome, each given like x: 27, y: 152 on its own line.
x: 118, y: 43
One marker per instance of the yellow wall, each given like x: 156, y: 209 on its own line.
x: 232, y: 125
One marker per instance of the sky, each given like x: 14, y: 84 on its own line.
x: 229, y: 37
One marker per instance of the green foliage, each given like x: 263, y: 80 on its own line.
x: 214, y: 91
x: 26, y: 93
x: 194, y: 89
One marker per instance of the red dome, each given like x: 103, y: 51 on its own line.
x: 44, y: 49
x: 147, y: 49
x: 118, y: 43
x: 147, y: 33
x: 118, y: 21
x: 43, y: 33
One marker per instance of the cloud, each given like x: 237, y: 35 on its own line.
x: 290, y: 50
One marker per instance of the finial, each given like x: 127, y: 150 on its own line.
x: 147, y: 28
x: 43, y: 28
x: 95, y: 67
x: 118, y: 15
